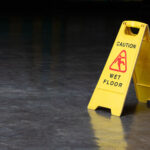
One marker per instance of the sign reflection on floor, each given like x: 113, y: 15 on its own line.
x: 108, y: 131
x: 113, y: 132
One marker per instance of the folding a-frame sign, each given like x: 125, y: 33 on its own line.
x: 130, y: 55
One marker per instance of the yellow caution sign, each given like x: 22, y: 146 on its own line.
x: 130, y: 55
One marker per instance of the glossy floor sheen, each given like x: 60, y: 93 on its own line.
x: 49, y: 67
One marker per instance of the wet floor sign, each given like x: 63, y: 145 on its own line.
x: 130, y: 55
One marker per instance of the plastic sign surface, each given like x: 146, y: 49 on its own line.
x: 130, y: 55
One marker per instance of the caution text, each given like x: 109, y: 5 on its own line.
x: 129, y: 45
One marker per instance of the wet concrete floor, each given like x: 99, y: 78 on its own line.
x: 49, y: 67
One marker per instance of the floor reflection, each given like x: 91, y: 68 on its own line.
x: 39, y: 43
x: 108, y: 131
x: 122, y: 133
x: 138, y: 135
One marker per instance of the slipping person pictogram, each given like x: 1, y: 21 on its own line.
x: 121, y: 62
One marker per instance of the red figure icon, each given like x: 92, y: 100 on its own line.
x: 121, y: 62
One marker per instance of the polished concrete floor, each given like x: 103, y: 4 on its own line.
x: 49, y: 67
